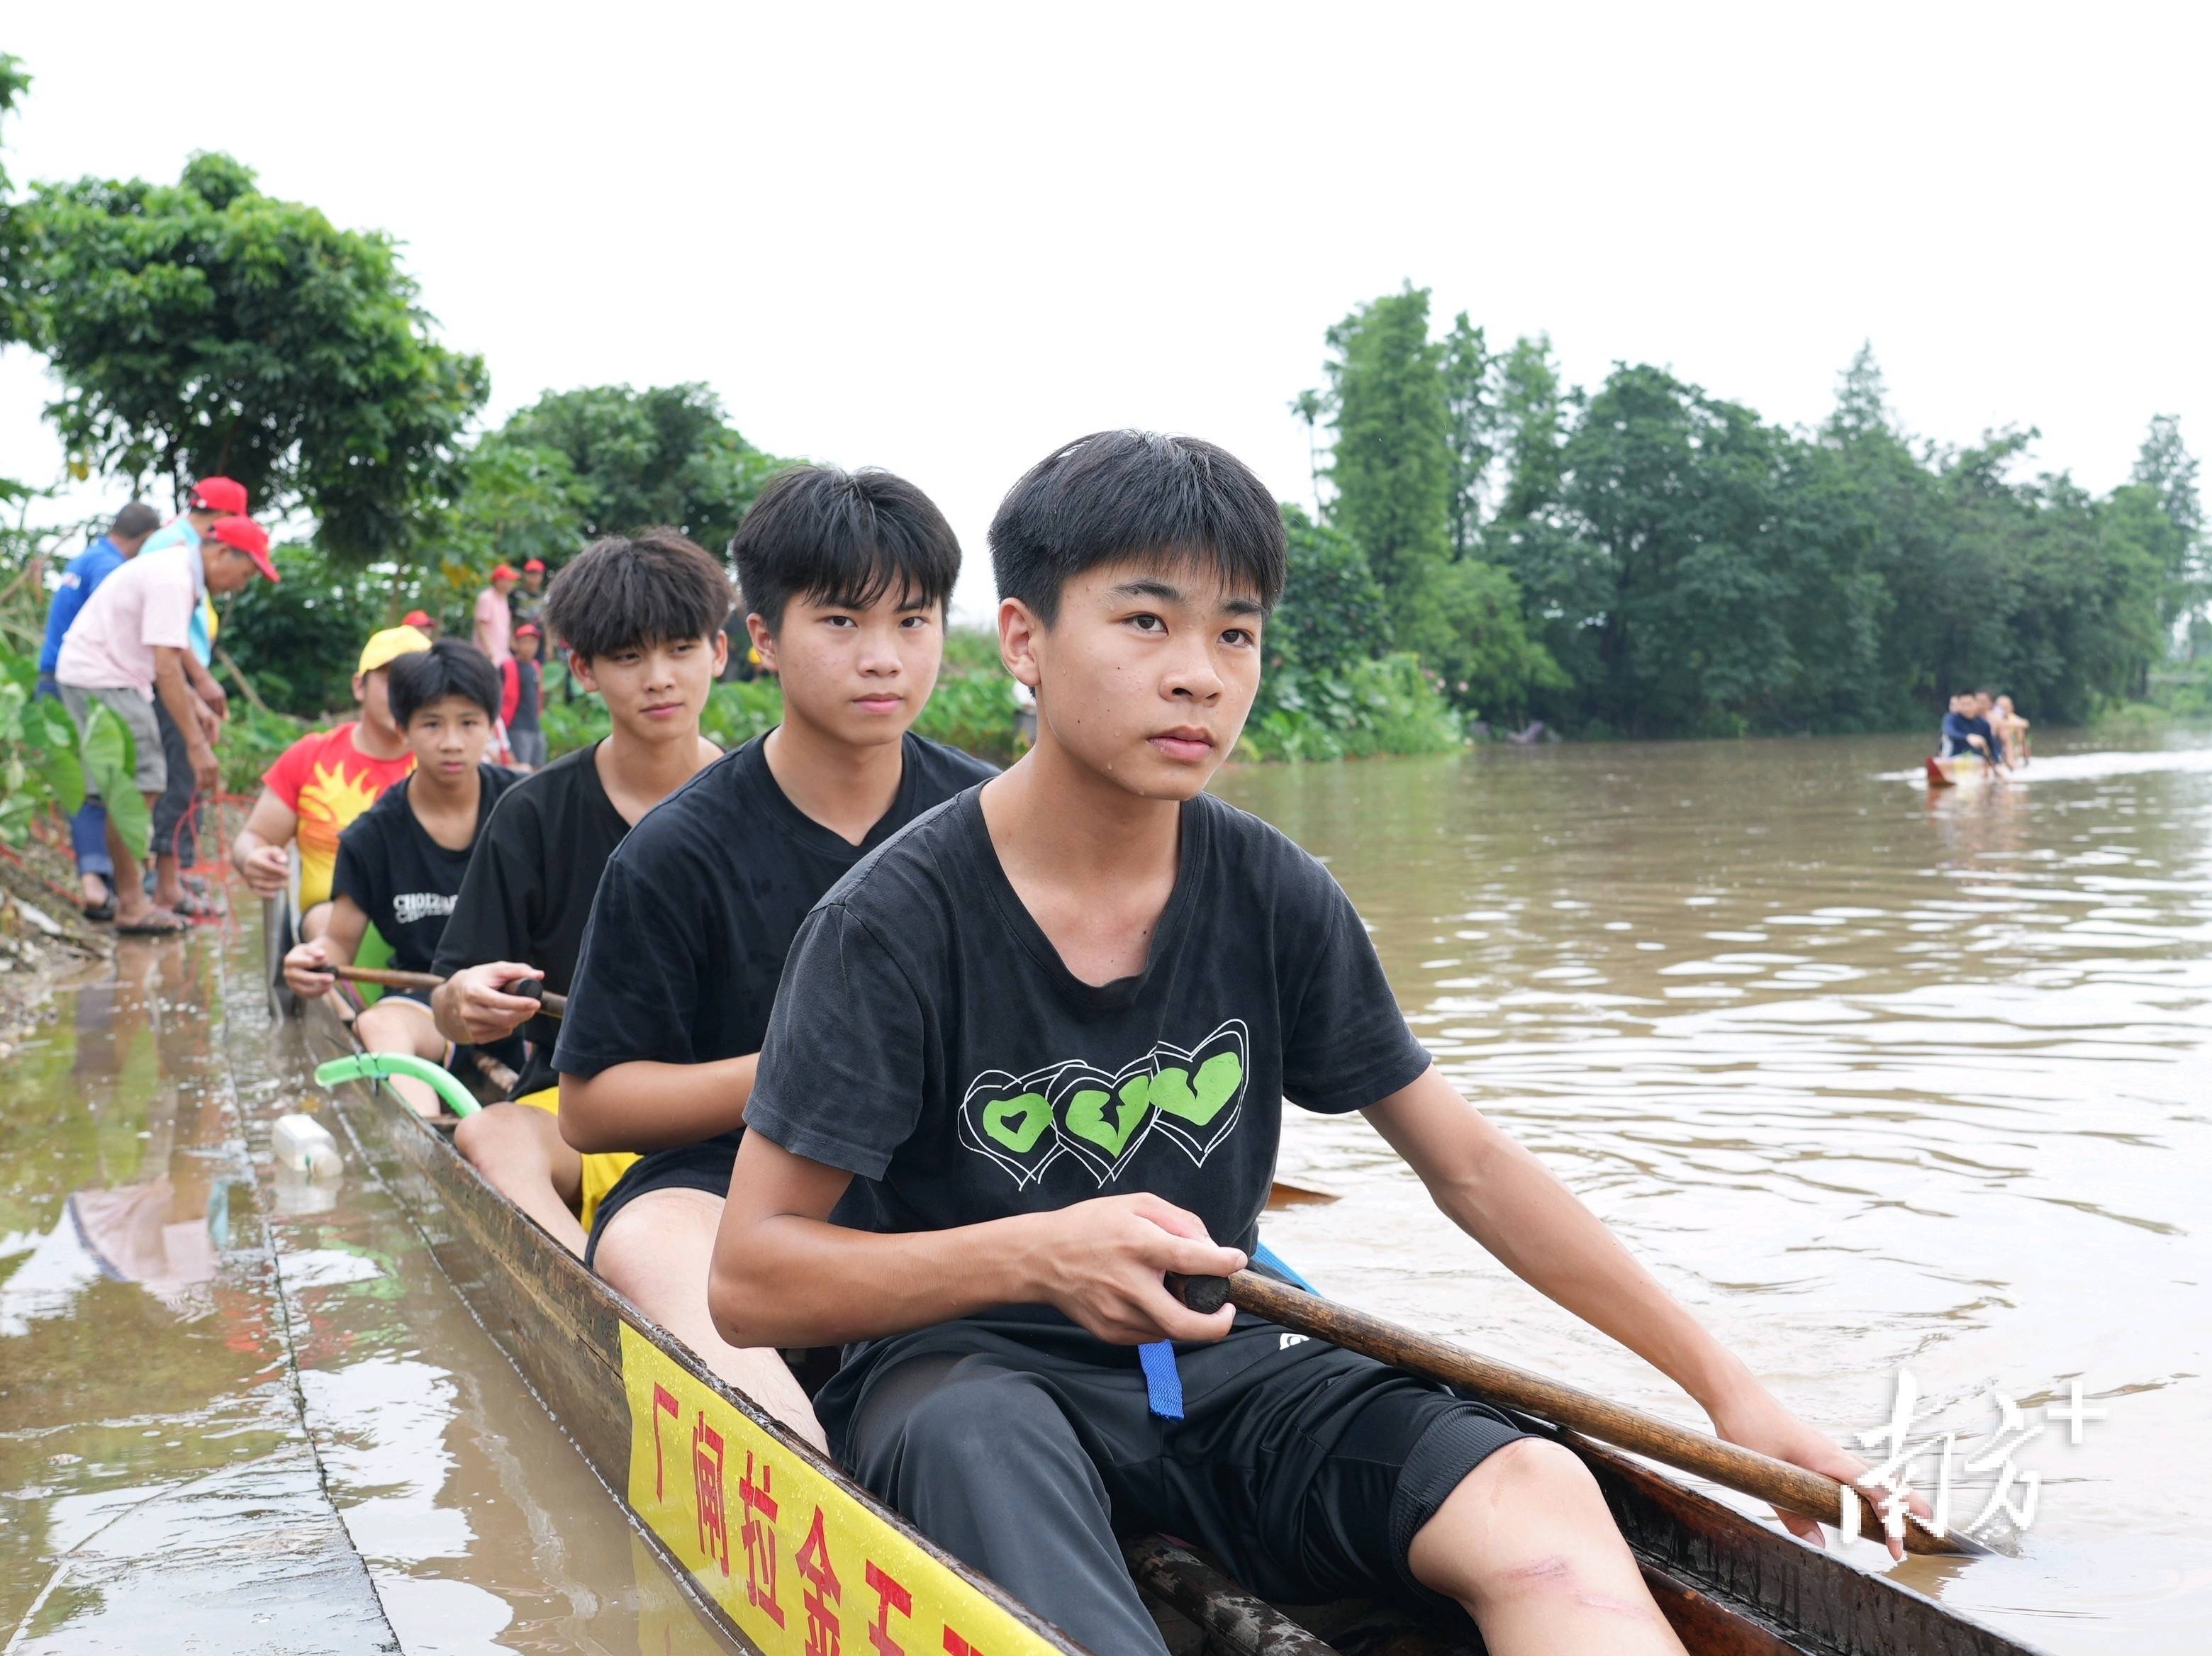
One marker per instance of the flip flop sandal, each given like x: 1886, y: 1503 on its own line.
x: 147, y: 926
x: 196, y: 907
x: 100, y: 913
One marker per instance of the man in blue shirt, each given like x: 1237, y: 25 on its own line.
x: 176, y: 822
x: 1967, y: 730
x: 88, y: 828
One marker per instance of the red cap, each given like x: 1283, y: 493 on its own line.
x: 417, y: 618
x: 218, y: 495
x: 249, y: 537
x: 505, y: 571
x: 534, y: 567
x: 528, y: 629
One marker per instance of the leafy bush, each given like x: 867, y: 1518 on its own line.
x: 1333, y: 612
x: 298, y: 639
x: 974, y: 712
x: 1367, y: 707
x: 47, y: 763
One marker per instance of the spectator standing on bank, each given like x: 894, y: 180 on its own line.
x: 95, y: 872
x: 494, y: 623
x: 522, y: 698
x: 422, y: 622
x: 530, y: 596
x: 176, y: 836
x: 130, y: 646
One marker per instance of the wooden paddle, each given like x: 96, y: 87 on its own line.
x: 556, y: 1006
x: 1792, y: 1488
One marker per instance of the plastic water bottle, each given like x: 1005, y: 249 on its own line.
x: 305, y: 1145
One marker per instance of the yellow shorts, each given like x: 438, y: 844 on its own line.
x: 601, y: 1169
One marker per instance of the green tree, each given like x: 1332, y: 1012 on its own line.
x: 204, y: 328
x: 2166, y: 468
x: 1333, y: 611
x: 1532, y: 418
x: 1469, y: 374
x: 664, y: 455
x: 14, y: 83
x: 1392, y: 463
x: 1311, y: 406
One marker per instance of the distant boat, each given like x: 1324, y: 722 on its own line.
x: 1965, y: 770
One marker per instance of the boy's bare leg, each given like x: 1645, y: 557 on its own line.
x: 656, y: 1251
x: 1527, y: 1544
x: 520, y: 1148
x: 395, y: 1024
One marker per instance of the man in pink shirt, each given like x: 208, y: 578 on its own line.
x: 129, y: 644
x: 494, y: 623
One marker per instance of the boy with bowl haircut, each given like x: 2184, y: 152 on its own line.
x: 401, y: 862
x: 846, y: 577
x: 643, y: 617
x: 1032, y: 1054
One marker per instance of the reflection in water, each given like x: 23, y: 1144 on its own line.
x: 1871, y: 1078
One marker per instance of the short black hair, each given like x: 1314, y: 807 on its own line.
x: 845, y: 538
x: 449, y: 667
x: 135, y: 520
x: 1120, y: 494
x: 632, y: 592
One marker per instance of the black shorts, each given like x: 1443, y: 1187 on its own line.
x: 688, y: 1166
x: 1307, y: 1470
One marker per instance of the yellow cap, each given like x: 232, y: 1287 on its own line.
x: 385, y: 647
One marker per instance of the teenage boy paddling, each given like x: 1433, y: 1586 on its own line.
x: 1049, y: 1028
x: 847, y: 577
x: 400, y: 865
x: 643, y: 619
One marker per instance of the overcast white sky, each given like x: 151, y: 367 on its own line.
x: 943, y: 239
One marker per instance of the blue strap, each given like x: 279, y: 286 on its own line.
x: 1262, y: 1254
x: 1162, y: 1384
x: 1162, y: 1380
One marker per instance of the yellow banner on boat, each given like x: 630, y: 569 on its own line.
x: 801, y: 1567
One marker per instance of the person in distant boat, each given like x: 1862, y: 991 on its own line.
x: 495, y: 621
x: 1966, y: 732
x: 2011, y: 731
x: 847, y: 575
x: 1033, y: 1053
x: 400, y: 862
x: 522, y: 700
x: 323, y: 781
x: 643, y: 617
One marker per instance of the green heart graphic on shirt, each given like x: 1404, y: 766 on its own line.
x: 1106, y: 1121
x: 1008, y: 1118
x: 1017, y: 1123
x: 1103, y: 1118
x: 1219, y: 1079
x: 1200, y: 1094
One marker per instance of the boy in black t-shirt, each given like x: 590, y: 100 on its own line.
x: 401, y: 862
x: 643, y: 616
x: 847, y: 577
x: 1033, y: 1053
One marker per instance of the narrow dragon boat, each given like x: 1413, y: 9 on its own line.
x: 1965, y: 771
x: 786, y: 1556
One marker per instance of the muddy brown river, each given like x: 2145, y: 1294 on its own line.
x: 1875, y: 1081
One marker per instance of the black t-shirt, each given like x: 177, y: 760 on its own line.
x: 696, y: 911
x: 928, y: 1038
x: 529, y: 887
x: 405, y: 880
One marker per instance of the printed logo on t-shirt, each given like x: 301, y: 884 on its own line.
x: 1100, y: 1118
x: 408, y: 906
